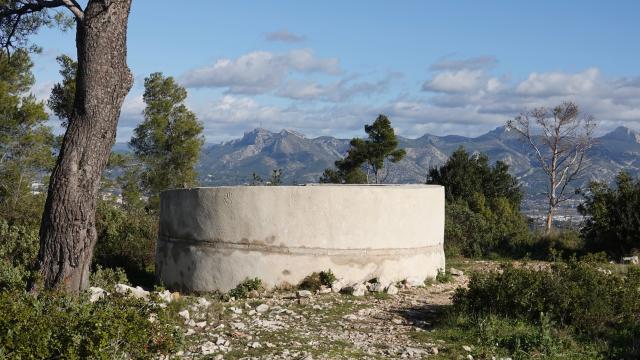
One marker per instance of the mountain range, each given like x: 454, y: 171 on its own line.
x: 303, y: 159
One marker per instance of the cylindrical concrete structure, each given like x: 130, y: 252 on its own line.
x: 214, y: 238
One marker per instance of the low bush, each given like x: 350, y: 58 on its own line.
x: 578, y: 295
x: 444, y: 276
x: 107, y: 278
x: 126, y: 239
x: 18, y: 250
x: 244, y: 288
x: 314, y: 281
x: 48, y: 326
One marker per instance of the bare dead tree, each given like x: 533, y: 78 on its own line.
x: 559, y: 139
x: 67, y: 232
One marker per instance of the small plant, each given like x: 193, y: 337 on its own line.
x: 311, y: 282
x: 314, y: 281
x: 244, y: 288
x: 444, y: 276
x: 107, y: 278
x: 327, y: 278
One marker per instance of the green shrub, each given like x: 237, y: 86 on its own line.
x: 126, y: 239
x: 577, y: 295
x: 50, y: 326
x: 314, y: 281
x: 107, y: 278
x: 612, y: 217
x: 444, y: 276
x: 244, y: 288
x: 327, y: 278
x: 18, y: 250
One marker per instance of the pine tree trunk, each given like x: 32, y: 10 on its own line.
x: 67, y: 232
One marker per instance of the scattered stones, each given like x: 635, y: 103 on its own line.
x: 304, y: 294
x: 358, y: 290
x: 96, y: 293
x: 456, y: 272
x: 208, y: 348
x: 203, y: 303
x: 137, y: 292
x: 184, y: 314
x: 238, y: 326
x: 376, y: 287
x: 262, y: 308
x: 392, y: 290
x: 337, y: 286
x: 414, y: 282
x: 165, y: 296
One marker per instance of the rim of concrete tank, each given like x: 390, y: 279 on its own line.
x: 402, y: 186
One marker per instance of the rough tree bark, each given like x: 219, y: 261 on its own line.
x: 68, y: 233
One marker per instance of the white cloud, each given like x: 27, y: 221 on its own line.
x: 258, y: 71
x: 558, y: 83
x: 481, y: 62
x: 284, y: 36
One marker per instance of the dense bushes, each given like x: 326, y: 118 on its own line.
x: 613, y: 216
x: 592, y: 303
x: 126, y: 239
x: 51, y: 326
x: 18, y: 250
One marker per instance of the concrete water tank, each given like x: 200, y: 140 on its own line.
x: 214, y: 238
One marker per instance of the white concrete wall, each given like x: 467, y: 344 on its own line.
x: 214, y: 238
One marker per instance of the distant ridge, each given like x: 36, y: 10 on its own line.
x: 303, y: 159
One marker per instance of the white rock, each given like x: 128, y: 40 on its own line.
x: 414, y: 281
x: 201, y: 324
x: 392, y: 289
x: 262, y: 308
x: 376, y: 287
x: 255, y: 345
x: 184, y: 314
x: 466, y: 348
x: 96, y: 293
x: 631, y: 260
x: 238, y: 325
x: 208, y: 348
x: 235, y: 310
x: 221, y: 341
x: 304, y: 294
x: 190, y: 332
x: 351, y: 317
x: 324, y: 290
x: 456, y: 272
x: 165, y: 296
x: 359, y: 290
x: 203, y: 303
x: 137, y: 292
x: 337, y: 285
x: 252, y: 312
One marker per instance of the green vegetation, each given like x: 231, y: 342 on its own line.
x: 613, y: 217
x: 483, y: 206
x: 575, y: 308
x: 49, y: 326
x: 169, y: 139
x: 314, y: 281
x: 244, y: 288
x: 380, y: 146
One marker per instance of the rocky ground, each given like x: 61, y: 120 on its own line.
x: 322, y: 325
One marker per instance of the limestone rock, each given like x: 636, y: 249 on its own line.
x: 165, y: 296
x: 184, y: 314
x: 208, y: 348
x: 304, y: 294
x: 359, y: 290
x: 96, y: 293
x: 262, y: 308
x: 392, y: 290
x: 456, y: 272
x: 137, y: 292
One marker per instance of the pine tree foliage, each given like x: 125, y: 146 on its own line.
x: 169, y: 140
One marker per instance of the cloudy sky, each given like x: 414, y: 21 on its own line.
x: 327, y: 68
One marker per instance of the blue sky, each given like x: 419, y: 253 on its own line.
x: 327, y: 68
